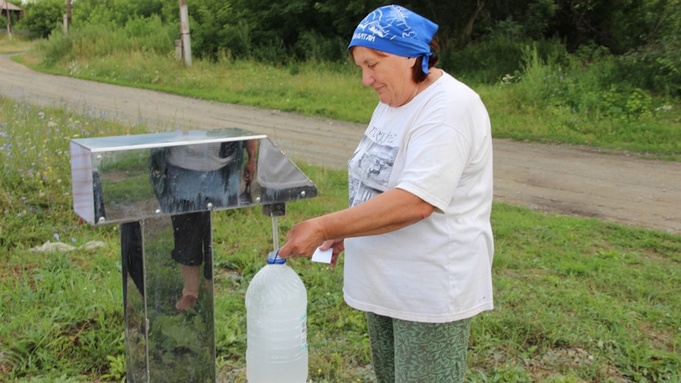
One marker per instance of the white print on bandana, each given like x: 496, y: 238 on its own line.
x: 375, y: 23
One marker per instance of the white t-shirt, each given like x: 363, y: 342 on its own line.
x: 438, y: 147
x: 199, y: 157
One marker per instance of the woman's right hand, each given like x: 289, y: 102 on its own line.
x: 303, y: 239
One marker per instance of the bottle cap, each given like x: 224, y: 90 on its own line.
x: 273, y: 258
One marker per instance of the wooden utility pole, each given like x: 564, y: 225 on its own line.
x: 184, y: 33
x: 9, y: 21
x: 68, y: 13
x: 67, y: 17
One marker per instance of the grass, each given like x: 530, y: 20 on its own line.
x: 577, y: 299
x: 546, y: 103
x: 308, y: 88
x: 16, y: 44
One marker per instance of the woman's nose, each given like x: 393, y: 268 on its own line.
x: 367, y: 78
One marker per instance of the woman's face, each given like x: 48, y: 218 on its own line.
x: 389, y: 75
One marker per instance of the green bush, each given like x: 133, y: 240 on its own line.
x: 42, y: 17
x: 116, y: 12
x: 57, y: 48
x: 148, y: 34
x: 488, y: 61
x: 312, y: 46
x: 655, y: 67
x: 213, y: 29
x: 138, y: 35
x: 590, y: 85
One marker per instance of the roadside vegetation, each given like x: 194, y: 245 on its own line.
x: 16, y: 44
x: 577, y: 299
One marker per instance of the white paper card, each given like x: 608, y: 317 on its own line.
x: 323, y: 256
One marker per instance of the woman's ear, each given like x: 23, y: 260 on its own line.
x: 413, y: 59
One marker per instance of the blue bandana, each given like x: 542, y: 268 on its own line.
x: 397, y: 30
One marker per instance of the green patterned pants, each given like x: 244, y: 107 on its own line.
x: 413, y: 352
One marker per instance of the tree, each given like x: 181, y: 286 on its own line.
x: 118, y: 12
x: 42, y: 17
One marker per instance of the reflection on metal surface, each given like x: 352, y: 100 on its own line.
x: 163, y: 188
x: 164, y: 343
x: 130, y: 178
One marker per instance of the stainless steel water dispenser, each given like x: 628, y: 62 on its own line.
x: 162, y: 190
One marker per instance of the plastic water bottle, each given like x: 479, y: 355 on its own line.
x: 276, y: 318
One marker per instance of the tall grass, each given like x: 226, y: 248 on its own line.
x: 104, y: 39
x: 15, y: 44
x: 585, y: 105
x: 312, y: 88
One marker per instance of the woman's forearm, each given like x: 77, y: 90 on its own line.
x: 389, y: 211
x: 384, y: 213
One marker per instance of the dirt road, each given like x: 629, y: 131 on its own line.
x: 558, y: 178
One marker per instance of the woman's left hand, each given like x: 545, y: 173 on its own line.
x: 338, y: 246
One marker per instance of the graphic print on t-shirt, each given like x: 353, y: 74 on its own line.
x: 371, y: 167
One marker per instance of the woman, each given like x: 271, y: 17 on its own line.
x: 417, y: 236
